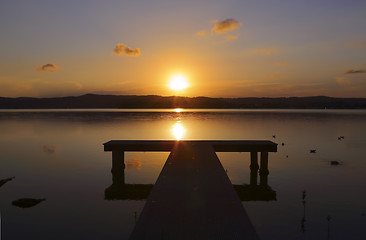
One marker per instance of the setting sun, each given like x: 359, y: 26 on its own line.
x: 178, y: 82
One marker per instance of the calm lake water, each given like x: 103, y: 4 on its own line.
x: 58, y: 155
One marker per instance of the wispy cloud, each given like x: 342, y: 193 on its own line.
x: 225, y: 26
x: 49, y: 67
x: 282, y: 64
x: 122, y: 49
x: 351, y: 71
x: 274, y: 76
x: 49, y: 88
x: 50, y: 149
x: 358, y: 44
x: 231, y: 37
x: 343, y: 81
x: 201, y: 33
x: 264, y: 51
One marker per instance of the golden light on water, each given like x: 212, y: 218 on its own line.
x: 178, y: 82
x: 134, y: 163
x: 178, y: 130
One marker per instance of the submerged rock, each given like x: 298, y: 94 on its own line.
x: 3, y: 181
x: 27, y: 202
x: 334, y: 163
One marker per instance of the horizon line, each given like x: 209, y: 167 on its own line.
x: 178, y: 96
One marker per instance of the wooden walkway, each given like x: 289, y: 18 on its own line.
x: 193, y: 197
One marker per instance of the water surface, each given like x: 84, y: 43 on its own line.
x: 58, y: 155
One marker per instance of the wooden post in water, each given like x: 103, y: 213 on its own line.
x: 253, y: 168
x: 118, y: 161
x: 263, y: 171
x: 118, y: 178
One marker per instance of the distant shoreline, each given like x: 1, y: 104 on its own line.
x: 94, y: 101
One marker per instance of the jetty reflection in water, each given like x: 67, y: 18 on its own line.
x: 119, y: 190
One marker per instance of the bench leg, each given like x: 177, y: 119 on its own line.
x: 118, y: 161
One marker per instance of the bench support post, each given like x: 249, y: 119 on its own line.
x: 118, y: 161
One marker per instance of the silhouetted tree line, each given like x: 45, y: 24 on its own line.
x: 154, y: 101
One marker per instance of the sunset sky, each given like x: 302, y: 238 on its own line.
x: 242, y: 48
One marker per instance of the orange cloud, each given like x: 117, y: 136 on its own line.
x: 343, y: 81
x: 274, y: 76
x: 122, y: 49
x: 351, y: 71
x: 282, y: 64
x: 134, y: 163
x: 359, y: 44
x: 231, y: 37
x: 225, y: 25
x: 49, y: 67
x: 201, y: 33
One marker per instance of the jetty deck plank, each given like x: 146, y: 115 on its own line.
x: 168, y: 145
x: 192, y: 199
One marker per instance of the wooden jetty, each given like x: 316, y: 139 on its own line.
x: 193, y: 197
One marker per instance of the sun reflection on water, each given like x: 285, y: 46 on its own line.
x: 178, y: 130
x: 178, y: 110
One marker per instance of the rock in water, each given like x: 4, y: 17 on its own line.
x: 3, y: 181
x: 27, y: 202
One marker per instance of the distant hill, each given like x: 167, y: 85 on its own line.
x: 153, y: 101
